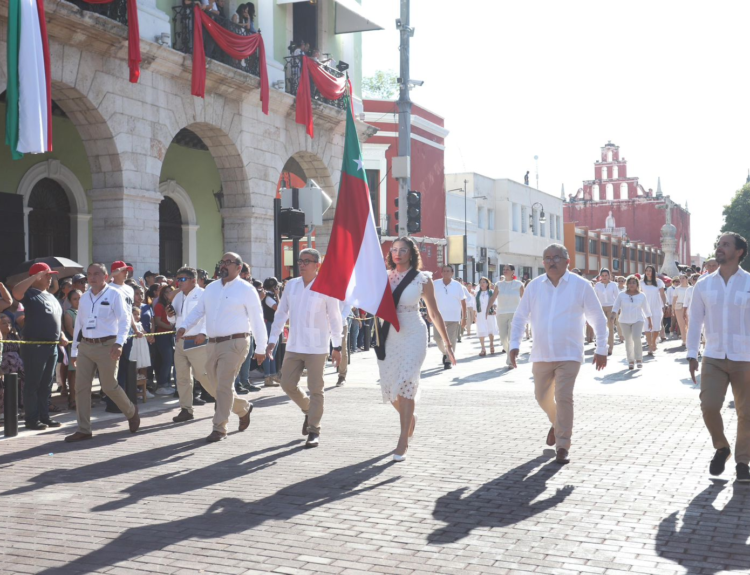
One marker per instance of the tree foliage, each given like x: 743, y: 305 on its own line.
x: 382, y: 85
x: 737, y: 217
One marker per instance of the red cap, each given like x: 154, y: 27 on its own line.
x: 118, y: 266
x: 36, y: 268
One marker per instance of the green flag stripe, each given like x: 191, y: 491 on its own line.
x: 11, y: 99
x: 352, y: 151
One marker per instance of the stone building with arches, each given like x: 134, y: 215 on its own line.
x: 148, y: 173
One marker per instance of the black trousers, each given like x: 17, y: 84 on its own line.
x: 39, y: 362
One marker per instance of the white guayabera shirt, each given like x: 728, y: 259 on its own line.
x: 557, y: 316
x: 724, y: 311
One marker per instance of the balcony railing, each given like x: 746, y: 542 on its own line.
x: 292, y: 70
x: 183, y: 39
x: 116, y: 10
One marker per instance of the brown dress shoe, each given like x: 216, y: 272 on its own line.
x: 562, y: 456
x: 135, y: 421
x: 304, y: 427
x: 216, y: 436
x: 245, y: 419
x: 78, y: 436
x: 551, y: 436
x: 184, y: 415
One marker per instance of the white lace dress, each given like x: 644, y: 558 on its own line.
x: 405, y: 350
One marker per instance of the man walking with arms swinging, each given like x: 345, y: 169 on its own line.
x: 721, y: 304
x: 558, y: 304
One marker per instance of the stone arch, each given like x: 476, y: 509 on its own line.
x: 80, y: 215
x: 173, y: 190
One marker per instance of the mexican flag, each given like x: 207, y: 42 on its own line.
x: 354, y: 270
x: 28, y: 127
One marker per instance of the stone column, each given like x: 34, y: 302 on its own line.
x: 190, y: 244
x: 79, y: 229
x: 126, y: 227
x: 249, y: 232
x: 669, y: 246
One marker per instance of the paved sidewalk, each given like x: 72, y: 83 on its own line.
x: 479, y: 492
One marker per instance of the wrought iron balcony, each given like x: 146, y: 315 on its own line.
x: 116, y: 10
x: 292, y: 71
x: 183, y: 39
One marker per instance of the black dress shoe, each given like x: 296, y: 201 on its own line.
x: 198, y: 401
x: 313, y: 440
x: 37, y: 426
x: 719, y: 461
x: 743, y: 473
x: 447, y: 365
x: 206, y: 397
x: 184, y: 415
x: 239, y: 390
x: 252, y: 387
x: 51, y: 423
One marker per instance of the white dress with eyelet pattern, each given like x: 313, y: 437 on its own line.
x: 406, y: 349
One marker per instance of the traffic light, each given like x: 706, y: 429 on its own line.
x: 414, y: 212
x: 395, y: 214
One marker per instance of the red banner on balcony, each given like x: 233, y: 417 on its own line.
x: 236, y: 46
x: 134, y: 38
x: 329, y: 86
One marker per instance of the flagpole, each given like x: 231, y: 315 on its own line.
x: 404, y: 116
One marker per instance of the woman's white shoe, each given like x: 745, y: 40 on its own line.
x: 399, y: 458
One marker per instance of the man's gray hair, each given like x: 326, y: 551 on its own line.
x: 100, y: 266
x: 313, y: 252
x: 558, y: 247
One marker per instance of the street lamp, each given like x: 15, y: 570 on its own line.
x: 466, y: 228
x: 542, y: 217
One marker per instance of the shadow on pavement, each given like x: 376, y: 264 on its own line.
x: 618, y: 376
x: 230, y: 516
x: 503, y: 501
x: 709, y: 540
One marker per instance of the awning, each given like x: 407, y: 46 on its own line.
x: 351, y: 18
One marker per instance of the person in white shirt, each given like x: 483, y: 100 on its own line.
x: 653, y: 289
x: 721, y: 304
x: 100, y: 330
x: 607, y: 292
x: 231, y: 308
x: 471, y: 307
x: 678, y: 306
x: 314, y: 321
x: 558, y: 304
x: 191, y: 363
x: 670, y: 324
x: 632, y: 305
x: 508, y: 294
x: 451, y: 301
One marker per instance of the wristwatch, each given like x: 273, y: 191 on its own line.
x: 337, y: 348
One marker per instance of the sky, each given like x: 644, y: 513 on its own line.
x: 666, y: 81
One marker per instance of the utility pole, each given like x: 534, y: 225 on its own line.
x: 404, y: 118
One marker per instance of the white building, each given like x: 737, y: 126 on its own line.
x: 505, y: 224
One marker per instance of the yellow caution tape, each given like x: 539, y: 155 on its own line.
x: 58, y: 343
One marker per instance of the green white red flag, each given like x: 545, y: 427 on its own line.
x: 28, y: 127
x: 354, y: 270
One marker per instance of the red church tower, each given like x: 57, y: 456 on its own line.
x: 638, y: 212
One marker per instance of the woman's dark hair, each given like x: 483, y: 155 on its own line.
x: 489, y: 283
x: 73, y: 292
x: 151, y: 293
x: 415, y: 260
x: 250, y: 11
x: 163, y: 295
x: 653, y: 281
x: 240, y: 10
x: 270, y: 284
x: 511, y: 266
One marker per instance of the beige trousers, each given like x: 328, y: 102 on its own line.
x: 633, y: 345
x: 188, y: 365
x: 223, y: 363
x: 93, y: 356
x: 610, y: 326
x: 452, y: 327
x: 553, y: 388
x: 311, y: 406
x: 504, y: 322
x: 471, y: 318
x: 344, y: 365
x: 717, y: 375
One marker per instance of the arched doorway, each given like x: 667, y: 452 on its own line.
x: 49, y: 220
x: 170, y: 236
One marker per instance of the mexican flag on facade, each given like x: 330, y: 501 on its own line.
x: 28, y: 127
x: 353, y: 270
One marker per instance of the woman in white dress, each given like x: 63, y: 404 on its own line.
x: 653, y: 289
x: 508, y: 295
x: 632, y: 305
x: 405, y: 350
x: 486, y: 324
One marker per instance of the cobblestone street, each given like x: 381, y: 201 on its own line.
x: 479, y: 492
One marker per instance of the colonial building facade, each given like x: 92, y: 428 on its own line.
x: 640, y: 213
x: 148, y: 173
